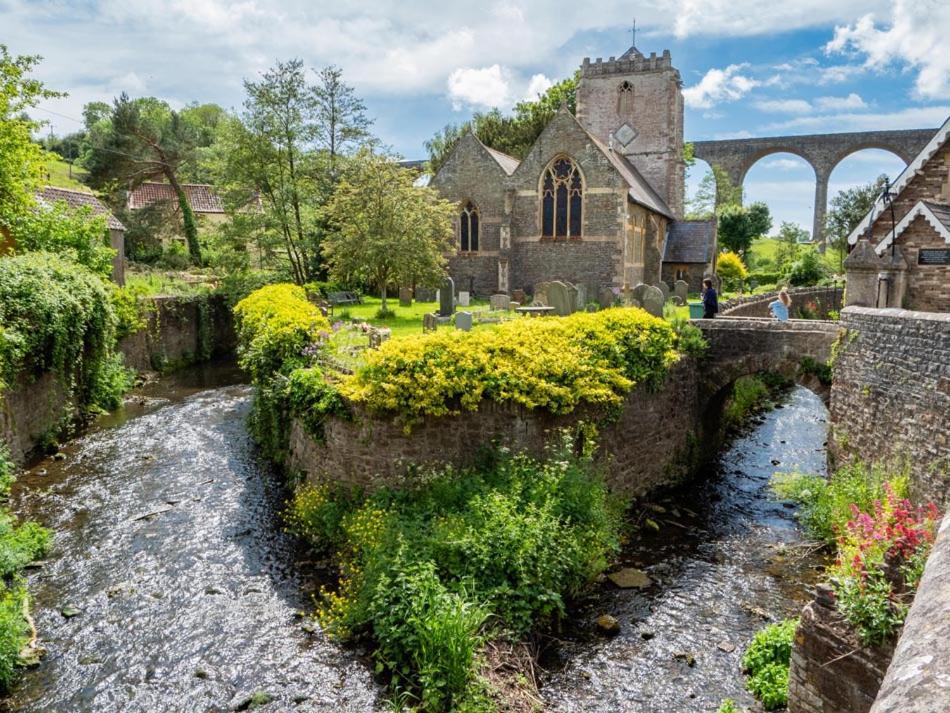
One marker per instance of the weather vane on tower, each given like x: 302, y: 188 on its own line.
x: 633, y: 34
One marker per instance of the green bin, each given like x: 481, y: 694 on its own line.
x: 695, y: 310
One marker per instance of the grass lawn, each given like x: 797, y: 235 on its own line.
x: 765, y: 249
x: 58, y: 175
x: 407, y: 320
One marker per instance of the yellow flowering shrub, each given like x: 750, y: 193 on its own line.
x: 554, y: 364
x: 274, y: 325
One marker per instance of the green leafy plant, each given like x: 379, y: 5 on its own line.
x: 767, y: 662
x: 431, y: 571
x: 749, y: 393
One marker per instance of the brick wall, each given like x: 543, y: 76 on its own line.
x: 647, y: 447
x: 891, y: 394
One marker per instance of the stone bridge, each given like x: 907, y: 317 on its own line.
x: 741, y: 346
x: 822, y: 152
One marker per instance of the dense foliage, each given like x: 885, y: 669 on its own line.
x: 552, y: 364
x: 739, y: 225
x: 275, y: 324
x: 846, y: 209
x: 731, y: 269
x: 882, y: 541
x: 74, y: 234
x: 767, y: 662
x: 57, y: 316
x: 20, y: 544
x: 431, y: 572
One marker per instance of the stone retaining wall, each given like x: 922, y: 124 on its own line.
x: 822, y: 300
x: 180, y: 331
x: 890, y: 398
x: 651, y: 443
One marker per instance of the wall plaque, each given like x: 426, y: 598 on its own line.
x: 933, y: 256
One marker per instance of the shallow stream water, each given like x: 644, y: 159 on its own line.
x: 168, y: 544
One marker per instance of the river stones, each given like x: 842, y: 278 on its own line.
x: 608, y: 625
x: 630, y: 578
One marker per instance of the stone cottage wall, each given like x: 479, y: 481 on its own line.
x: 648, y: 446
x: 890, y: 396
x: 824, y: 299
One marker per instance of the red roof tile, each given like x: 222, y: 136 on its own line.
x: 201, y: 197
x: 75, y: 199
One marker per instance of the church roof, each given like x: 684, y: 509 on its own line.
x: 78, y: 199
x: 690, y: 241
x: 901, y: 182
x: 641, y: 191
x: 508, y: 163
x: 631, y: 53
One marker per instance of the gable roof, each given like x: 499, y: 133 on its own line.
x: 936, y: 214
x: 690, y: 241
x: 900, y: 183
x: 78, y: 199
x: 508, y: 163
x: 201, y: 197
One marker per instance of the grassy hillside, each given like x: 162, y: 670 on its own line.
x: 765, y: 248
x: 58, y: 175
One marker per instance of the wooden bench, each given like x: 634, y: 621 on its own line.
x: 343, y: 298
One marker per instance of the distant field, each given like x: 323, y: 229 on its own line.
x: 58, y: 175
x: 767, y: 247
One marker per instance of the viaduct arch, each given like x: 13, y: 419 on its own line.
x: 821, y: 151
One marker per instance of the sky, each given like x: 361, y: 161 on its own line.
x: 749, y: 68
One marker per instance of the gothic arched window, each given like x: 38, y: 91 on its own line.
x: 468, y: 228
x: 561, y: 200
x: 624, y: 98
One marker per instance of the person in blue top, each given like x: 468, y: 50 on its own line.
x: 779, y: 308
x: 710, y: 299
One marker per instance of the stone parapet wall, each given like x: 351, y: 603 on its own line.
x: 830, y: 671
x: 824, y: 299
x: 180, y: 331
x: 890, y: 397
x: 918, y: 679
x: 649, y: 445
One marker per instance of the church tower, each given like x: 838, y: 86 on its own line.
x: 635, y: 105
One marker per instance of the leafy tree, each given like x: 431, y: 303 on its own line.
x: 731, y: 269
x: 145, y: 139
x: 73, y: 233
x: 21, y: 159
x: 341, y: 121
x: 383, y: 228
x: 715, y: 191
x: 739, y: 225
x: 848, y: 207
x: 515, y: 134
x: 791, y: 237
x: 808, y: 269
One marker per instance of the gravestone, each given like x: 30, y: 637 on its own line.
x: 498, y: 302
x: 429, y: 322
x: 638, y: 292
x: 447, y: 298
x: 681, y: 291
x: 665, y: 289
x: 606, y: 297
x: 581, y: 297
x: 513, y: 305
x: 463, y: 299
x: 426, y: 294
x: 517, y: 296
x: 378, y: 336
x: 653, y: 301
x: 405, y: 297
x: 463, y: 321
x: 562, y: 297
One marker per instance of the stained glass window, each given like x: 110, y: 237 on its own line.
x: 468, y: 228
x: 561, y: 200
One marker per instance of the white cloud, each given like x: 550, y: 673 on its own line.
x: 487, y: 87
x: 850, y: 102
x: 719, y: 85
x: 917, y: 37
x: 538, y: 85
x: 911, y: 118
x: 784, y: 106
x: 753, y: 17
x: 786, y: 164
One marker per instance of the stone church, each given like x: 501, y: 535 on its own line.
x: 598, y: 200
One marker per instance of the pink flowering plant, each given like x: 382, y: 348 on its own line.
x: 881, y: 556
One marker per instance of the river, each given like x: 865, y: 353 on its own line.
x: 168, y: 544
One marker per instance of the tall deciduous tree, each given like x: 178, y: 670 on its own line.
x: 341, y: 121
x: 21, y: 159
x: 143, y: 140
x: 848, y: 207
x: 383, y: 228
